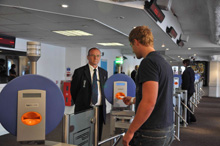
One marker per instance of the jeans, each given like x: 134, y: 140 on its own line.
x: 154, y: 137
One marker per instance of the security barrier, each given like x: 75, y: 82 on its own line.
x: 181, y: 107
x: 82, y: 129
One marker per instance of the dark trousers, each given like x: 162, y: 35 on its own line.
x: 101, y: 121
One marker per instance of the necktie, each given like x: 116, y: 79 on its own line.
x: 94, y: 88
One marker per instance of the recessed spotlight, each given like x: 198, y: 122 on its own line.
x: 194, y: 54
x: 189, y: 48
x: 167, y: 49
x: 64, y: 6
x: 162, y: 45
x: 179, y: 56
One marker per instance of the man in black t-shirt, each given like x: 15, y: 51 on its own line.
x: 153, y: 122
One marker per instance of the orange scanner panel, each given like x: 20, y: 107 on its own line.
x: 119, y: 94
x: 31, y: 118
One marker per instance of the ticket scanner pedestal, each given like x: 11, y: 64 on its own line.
x: 117, y: 87
x: 31, y: 115
x: 120, y: 91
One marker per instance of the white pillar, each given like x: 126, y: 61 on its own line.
x: 214, y: 79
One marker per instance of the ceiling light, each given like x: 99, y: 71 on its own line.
x: 73, y: 33
x: 64, y: 6
x: 194, y: 54
x: 179, y: 56
x: 162, y: 45
x: 167, y: 49
x: 111, y: 44
x: 189, y: 48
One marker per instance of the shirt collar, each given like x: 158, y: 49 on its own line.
x: 91, y: 68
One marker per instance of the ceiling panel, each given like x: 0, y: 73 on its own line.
x: 35, y: 20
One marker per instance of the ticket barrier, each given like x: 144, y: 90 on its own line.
x: 177, y: 115
x: 121, y: 115
x: 183, y: 111
x: 194, y: 102
x: 183, y: 94
x: 30, y: 107
x: 199, y: 91
x: 120, y: 120
x: 197, y: 96
x: 82, y: 129
x: 79, y: 129
x: 116, y: 88
x: 30, y: 102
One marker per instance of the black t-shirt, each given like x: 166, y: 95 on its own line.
x: 155, y: 68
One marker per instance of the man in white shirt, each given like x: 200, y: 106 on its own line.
x: 86, y: 93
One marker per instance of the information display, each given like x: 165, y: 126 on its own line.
x: 154, y: 10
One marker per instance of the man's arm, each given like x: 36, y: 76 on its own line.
x: 74, y: 86
x: 185, y: 81
x: 145, y: 108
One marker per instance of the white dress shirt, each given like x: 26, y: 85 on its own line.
x: 91, y: 69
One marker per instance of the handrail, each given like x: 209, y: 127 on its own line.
x: 113, y: 137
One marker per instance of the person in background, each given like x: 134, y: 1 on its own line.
x: 133, y: 73
x: 87, y: 87
x: 153, y: 121
x: 12, y: 72
x: 3, y: 71
x: 188, y: 79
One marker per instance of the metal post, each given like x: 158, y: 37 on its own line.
x: 185, y: 110
x: 119, y: 69
x: 65, y: 136
x: 112, y: 125
x: 33, y: 67
x: 183, y: 94
x: 96, y: 131
x: 177, y: 117
x: 33, y: 54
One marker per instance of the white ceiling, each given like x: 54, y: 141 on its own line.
x: 111, y: 22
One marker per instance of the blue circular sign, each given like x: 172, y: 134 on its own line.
x: 8, y: 101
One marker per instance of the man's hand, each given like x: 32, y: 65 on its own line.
x: 127, y: 138
x: 127, y: 100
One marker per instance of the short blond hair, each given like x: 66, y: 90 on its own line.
x: 143, y: 35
